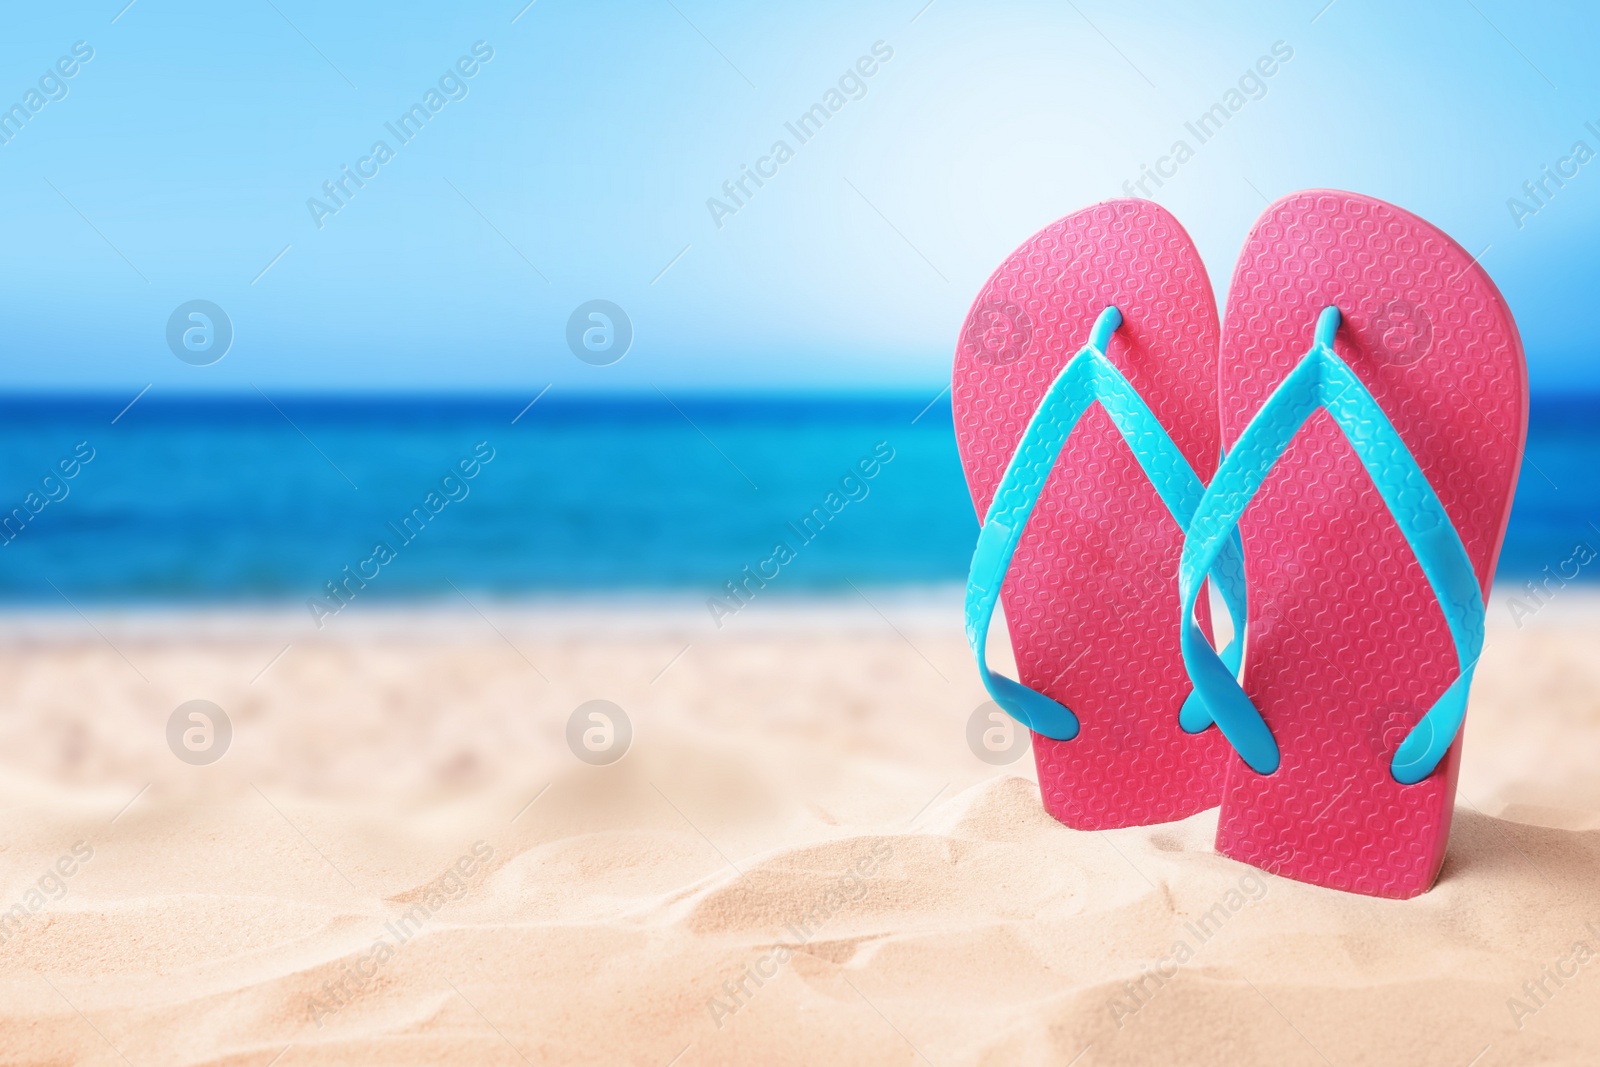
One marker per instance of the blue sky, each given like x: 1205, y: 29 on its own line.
x: 577, y: 164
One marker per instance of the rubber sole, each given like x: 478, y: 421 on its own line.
x: 1091, y: 600
x: 1347, y: 647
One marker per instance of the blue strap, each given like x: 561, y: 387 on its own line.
x: 1323, y: 380
x: 1087, y: 378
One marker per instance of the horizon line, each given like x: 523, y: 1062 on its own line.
x: 555, y: 391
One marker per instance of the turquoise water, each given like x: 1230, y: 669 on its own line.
x: 246, y: 499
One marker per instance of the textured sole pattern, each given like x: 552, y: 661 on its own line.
x: 1091, y: 600
x: 1347, y: 645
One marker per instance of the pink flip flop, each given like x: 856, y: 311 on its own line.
x: 1374, y: 406
x: 1083, y: 521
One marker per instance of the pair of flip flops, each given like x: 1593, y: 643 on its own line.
x: 1335, y: 458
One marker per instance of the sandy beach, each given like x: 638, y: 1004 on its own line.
x: 399, y: 859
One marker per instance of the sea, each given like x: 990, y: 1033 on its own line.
x: 258, y: 499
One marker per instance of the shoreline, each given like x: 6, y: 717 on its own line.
x: 622, y: 611
x: 643, y: 612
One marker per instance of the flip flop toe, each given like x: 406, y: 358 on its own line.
x: 1374, y: 407
x: 1084, y: 394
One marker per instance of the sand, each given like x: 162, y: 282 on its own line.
x: 399, y: 859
